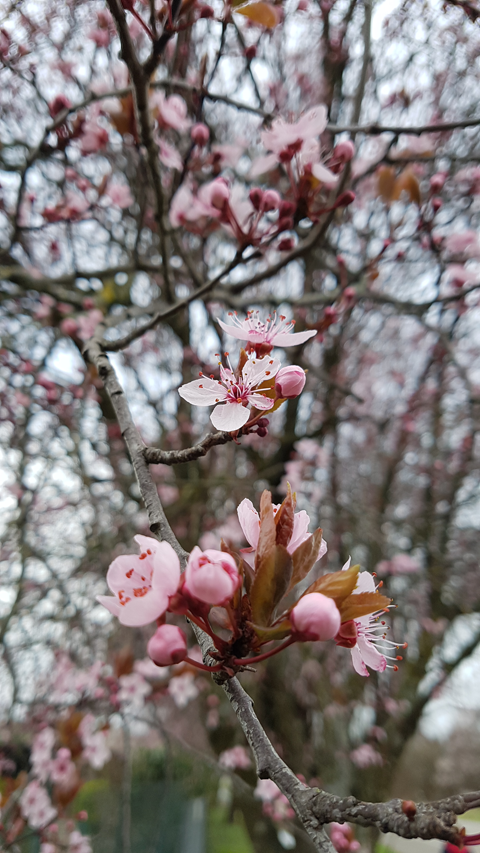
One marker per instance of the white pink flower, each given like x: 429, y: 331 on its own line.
x: 62, y: 768
x: 273, y: 332
x: 170, y: 112
x: 211, y: 576
x: 167, y: 646
x: 142, y: 585
x: 78, y: 843
x: 133, y: 689
x: 41, y: 753
x: 250, y: 523
x: 236, y: 758
x: 366, y: 756
x: 315, y: 617
x: 233, y: 394
x: 183, y: 689
x: 36, y: 806
x: 95, y: 749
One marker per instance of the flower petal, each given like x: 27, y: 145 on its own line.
x: 166, y: 569
x: 234, y: 331
x: 291, y: 339
x: 358, y: 663
x: 111, y: 603
x: 370, y: 655
x: 117, y: 571
x: 260, y: 402
x: 143, y: 610
x: 249, y: 522
x: 202, y: 392
x: 229, y: 417
x: 324, y: 175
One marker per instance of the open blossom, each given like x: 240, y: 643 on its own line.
x: 287, y: 140
x: 42, y: 752
x: 183, y: 689
x: 62, y: 768
x: 235, y: 758
x: 133, y: 689
x: 250, y: 523
x: 343, y: 839
x: 364, y: 634
x: 78, y: 843
x: 234, y: 395
x: 211, y: 576
x: 95, y: 749
x: 170, y: 112
x: 273, y: 333
x: 366, y: 756
x: 36, y: 806
x: 315, y: 617
x: 142, y: 585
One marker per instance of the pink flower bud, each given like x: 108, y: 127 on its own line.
x: 200, y: 134
x: 211, y: 576
x: 251, y: 52
x: 315, y: 617
x: 290, y: 381
x: 69, y: 326
x: 344, y: 151
x: 168, y: 645
x: 219, y: 194
x: 206, y: 11
x: 437, y: 181
x: 436, y: 204
x: 271, y: 200
x: 256, y: 197
x: 287, y: 208
x: 286, y: 245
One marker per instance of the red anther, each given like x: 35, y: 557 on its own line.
x: 395, y: 668
x: 380, y: 585
x: 374, y: 574
x: 399, y: 657
x: 404, y: 646
x: 409, y: 808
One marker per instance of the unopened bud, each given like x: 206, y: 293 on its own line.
x: 287, y: 208
x: 315, y: 617
x: 251, y: 52
x: 271, y: 200
x: 262, y: 432
x: 437, y: 181
x: 220, y: 194
x: 344, y: 151
x: 290, y: 381
x: 206, y: 11
x: 286, y: 245
x: 409, y: 809
x: 168, y: 645
x: 437, y: 203
x: 285, y: 223
x: 200, y: 134
x: 256, y: 197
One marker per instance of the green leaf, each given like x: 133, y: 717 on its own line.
x: 305, y: 557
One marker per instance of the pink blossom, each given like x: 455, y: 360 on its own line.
x: 119, y: 195
x: 315, y: 617
x: 266, y: 790
x: 459, y: 275
x: 62, y: 768
x: 100, y: 37
x: 42, y: 752
x: 133, y: 689
x: 87, y: 323
x: 211, y: 576
x: 200, y: 134
x: 342, y: 838
x: 290, y: 381
x: 250, y: 523
x: 170, y: 112
x: 183, y: 689
x: 142, y: 585
x: 93, y: 138
x: 190, y: 210
x: 366, y: 756
x: 234, y: 395
x: 466, y: 243
x: 400, y: 564
x: 227, y: 156
x: 95, y: 749
x: 363, y: 633
x: 169, y: 156
x: 36, y: 806
x: 236, y: 758
x: 78, y: 843
x: 168, y: 645
x: 274, y: 332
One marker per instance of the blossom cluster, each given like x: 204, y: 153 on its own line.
x: 259, y: 381
x: 243, y: 599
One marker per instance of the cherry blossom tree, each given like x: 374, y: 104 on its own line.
x: 181, y: 184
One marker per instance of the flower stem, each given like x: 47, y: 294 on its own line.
x: 258, y: 658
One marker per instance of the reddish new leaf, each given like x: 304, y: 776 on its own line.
x: 261, y: 13
x: 305, y: 557
x: 362, y: 604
